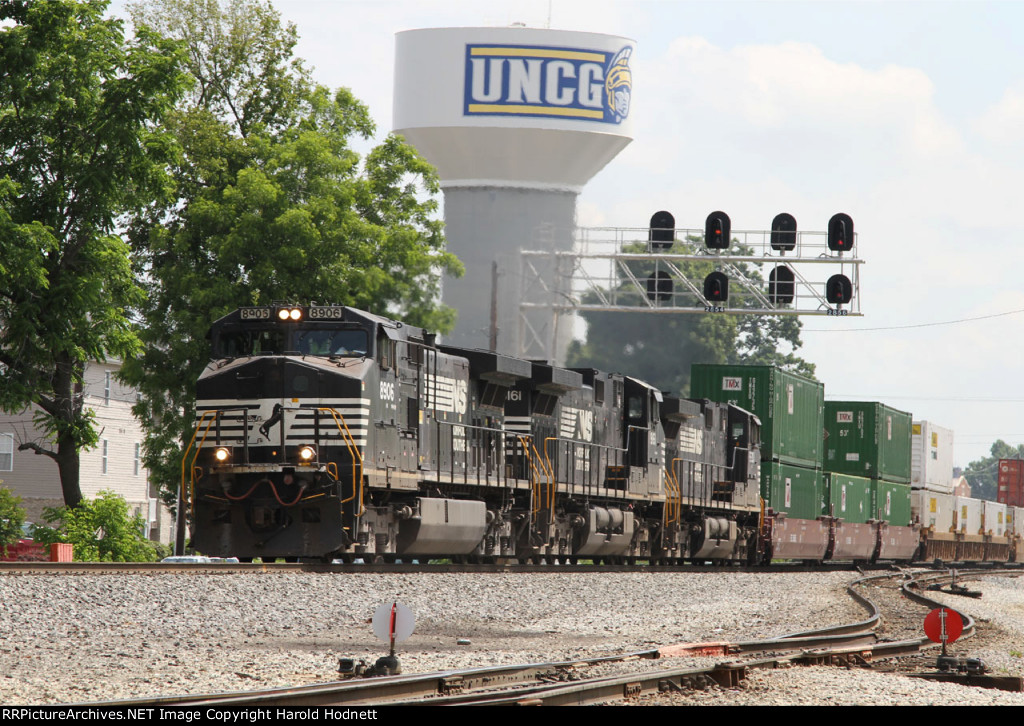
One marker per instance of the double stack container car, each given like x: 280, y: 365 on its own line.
x: 790, y: 408
x: 867, y: 458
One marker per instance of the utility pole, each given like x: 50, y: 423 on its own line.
x: 493, y: 339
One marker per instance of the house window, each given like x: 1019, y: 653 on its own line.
x: 105, y: 449
x: 138, y: 458
x: 6, y: 452
x: 106, y: 391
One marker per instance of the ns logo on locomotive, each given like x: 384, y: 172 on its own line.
x: 519, y: 80
x: 326, y: 431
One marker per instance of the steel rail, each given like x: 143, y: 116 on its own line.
x: 843, y: 644
x: 44, y: 567
x: 436, y: 686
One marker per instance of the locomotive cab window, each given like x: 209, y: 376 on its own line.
x: 387, y: 351
x: 636, y: 408
x: 344, y: 343
x: 238, y: 343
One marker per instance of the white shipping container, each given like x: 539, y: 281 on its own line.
x: 932, y: 509
x: 995, y: 518
x: 1015, y: 516
x: 931, y: 457
x: 968, y: 515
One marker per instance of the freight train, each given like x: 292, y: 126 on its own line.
x: 326, y: 432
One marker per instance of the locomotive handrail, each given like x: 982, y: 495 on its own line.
x: 576, y: 442
x: 673, y: 505
x: 350, y: 442
x: 534, y: 480
x: 552, y: 486
x: 505, y: 433
x: 190, y: 497
x: 710, y: 502
x: 679, y: 487
x: 214, y: 415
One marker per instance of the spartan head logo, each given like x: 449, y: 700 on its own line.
x: 618, y: 84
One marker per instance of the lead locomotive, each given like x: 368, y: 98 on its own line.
x: 325, y: 431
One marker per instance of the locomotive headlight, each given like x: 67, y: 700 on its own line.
x: 283, y: 313
x: 307, y: 454
x: 222, y: 454
x: 295, y: 314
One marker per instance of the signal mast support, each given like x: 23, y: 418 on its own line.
x: 780, y: 271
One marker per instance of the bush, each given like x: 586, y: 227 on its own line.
x: 12, y: 516
x: 101, y: 530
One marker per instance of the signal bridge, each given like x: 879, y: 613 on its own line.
x: 664, y: 270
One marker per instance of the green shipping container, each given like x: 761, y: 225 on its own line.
x: 797, y: 491
x: 891, y: 502
x: 791, y: 407
x: 868, y: 439
x: 848, y: 497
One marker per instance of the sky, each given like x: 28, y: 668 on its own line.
x: 909, y: 116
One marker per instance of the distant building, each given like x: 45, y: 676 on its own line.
x: 115, y: 464
x: 960, y: 487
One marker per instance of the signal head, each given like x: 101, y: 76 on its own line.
x: 662, y: 232
x: 717, y: 229
x: 839, y: 290
x: 783, y: 238
x: 840, y: 233
x: 716, y: 287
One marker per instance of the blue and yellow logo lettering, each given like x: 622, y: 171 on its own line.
x: 520, y: 80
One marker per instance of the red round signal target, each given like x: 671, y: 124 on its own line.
x: 943, y: 621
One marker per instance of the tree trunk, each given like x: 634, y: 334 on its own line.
x: 69, y: 400
x: 69, y: 466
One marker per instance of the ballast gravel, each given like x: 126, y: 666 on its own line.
x: 68, y: 638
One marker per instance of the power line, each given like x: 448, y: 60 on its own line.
x: 883, y: 397
x: 917, y: 325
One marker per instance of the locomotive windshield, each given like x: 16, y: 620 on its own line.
x: 346, y: 343
x: 271, y: 339
x: 239, y: 343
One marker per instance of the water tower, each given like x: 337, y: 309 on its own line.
x: 516, y: 120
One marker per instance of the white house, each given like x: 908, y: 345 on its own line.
x: 115, y: 463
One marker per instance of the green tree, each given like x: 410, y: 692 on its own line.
x: 78, y: 149
x: 659, y: 348
x: 272, y: 204
x: 12, y: 516
x: 100, y: 530
x: 983, y: 474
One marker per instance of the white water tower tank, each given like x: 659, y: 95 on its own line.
x: 516, y: 120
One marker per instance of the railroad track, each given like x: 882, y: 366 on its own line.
x: 588, y: 681
x: 79, y: 568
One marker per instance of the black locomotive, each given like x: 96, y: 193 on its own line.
x: 327, y: 432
